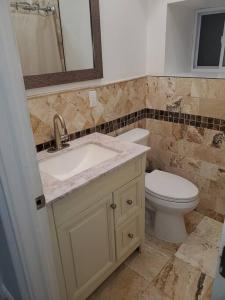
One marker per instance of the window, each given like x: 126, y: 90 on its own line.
x: 209, y: 52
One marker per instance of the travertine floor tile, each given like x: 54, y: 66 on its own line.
x: 201, y: 248
x: 211, y: 214
x: 123, y: 284
x: 152, y: 293
x: 192, y: 220
x: 161, y: 272
x: 179, y: 281
x: 162, y: 246
x: 148, y: 263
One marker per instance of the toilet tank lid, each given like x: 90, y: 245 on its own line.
x: 134, y: 135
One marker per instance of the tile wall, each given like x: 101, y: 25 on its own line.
x: 183, y: 116
x: 184, y: 144
x: 114, y: 101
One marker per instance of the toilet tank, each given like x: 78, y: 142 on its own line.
x: 136, y: 135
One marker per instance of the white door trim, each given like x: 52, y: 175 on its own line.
x: 19, y: 172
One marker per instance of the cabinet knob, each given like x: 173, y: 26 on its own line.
x: 131, y: 235
x: 113, y: 206
x: 129, y: 202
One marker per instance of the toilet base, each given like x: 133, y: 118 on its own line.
x: 170, y: 227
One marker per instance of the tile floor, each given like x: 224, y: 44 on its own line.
x: 165, y: 271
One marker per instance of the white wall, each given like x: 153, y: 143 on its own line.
x: 156, y: 36
x: 124, y: 29
x: 179, y: 39
x: 124, y: 38
x: 170, y: 35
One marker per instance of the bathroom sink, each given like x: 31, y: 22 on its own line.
x: 64, y: 165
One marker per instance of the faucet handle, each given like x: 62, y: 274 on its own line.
x: 65, y: 138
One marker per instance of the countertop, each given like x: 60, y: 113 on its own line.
x: 55, y: 189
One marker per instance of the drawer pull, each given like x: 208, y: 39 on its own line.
x: 113, y: 206
x: 130, y: 235
x: 129, y: 202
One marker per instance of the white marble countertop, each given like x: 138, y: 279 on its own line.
x: 55, y: 189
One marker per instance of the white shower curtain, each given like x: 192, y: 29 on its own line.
x: 37, y: 43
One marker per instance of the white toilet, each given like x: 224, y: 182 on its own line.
x: 171, y: 196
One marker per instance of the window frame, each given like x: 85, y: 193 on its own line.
x: 196, y: 37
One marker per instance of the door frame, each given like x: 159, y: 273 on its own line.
x: 219, y: 282
x: 20, y: 178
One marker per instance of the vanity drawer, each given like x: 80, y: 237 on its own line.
x: 128, y: 200
x: 128, y: 236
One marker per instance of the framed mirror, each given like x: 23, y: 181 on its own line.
x: 59, y: 41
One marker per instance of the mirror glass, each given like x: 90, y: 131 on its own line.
x: 53, y: 35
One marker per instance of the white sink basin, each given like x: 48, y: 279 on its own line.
x: 72, y: 162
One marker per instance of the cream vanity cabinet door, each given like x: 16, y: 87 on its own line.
x: 87, y: 247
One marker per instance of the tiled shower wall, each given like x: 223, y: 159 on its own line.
x: 176, y: 147
x: 188, y: 150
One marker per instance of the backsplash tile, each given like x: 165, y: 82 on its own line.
x: 114, y: 101
x: 115, y: 127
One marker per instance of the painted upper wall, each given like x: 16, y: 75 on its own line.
x: 124, y: 30
x: 156, y: 33
x: 180, y: 27
x: 170, y: 35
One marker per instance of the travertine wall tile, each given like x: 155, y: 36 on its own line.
x: 177, y: 148
x: 208, y: 88
x: 188, y: 152
x: 210, y: 107
x: 197, y: 96
x: 114, y: 101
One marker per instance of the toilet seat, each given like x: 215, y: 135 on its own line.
x: 169, y: 187
x: 172, y: 206
x: 170, y: 200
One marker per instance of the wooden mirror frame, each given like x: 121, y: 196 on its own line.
x: 38, y: 81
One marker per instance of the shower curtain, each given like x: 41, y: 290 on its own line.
x: 37, y: 42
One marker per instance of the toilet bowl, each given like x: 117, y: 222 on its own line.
x: 171, y: 196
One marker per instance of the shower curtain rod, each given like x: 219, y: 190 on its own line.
x: 32, y: 7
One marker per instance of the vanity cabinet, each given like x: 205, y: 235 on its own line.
x: 86, y: 244
x: 96, y: 227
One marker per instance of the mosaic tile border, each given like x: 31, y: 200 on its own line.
x: 187, y: 119
x: 104, y: 128
x: 163, y: 115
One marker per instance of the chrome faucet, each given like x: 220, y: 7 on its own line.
x: 60, y: 139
